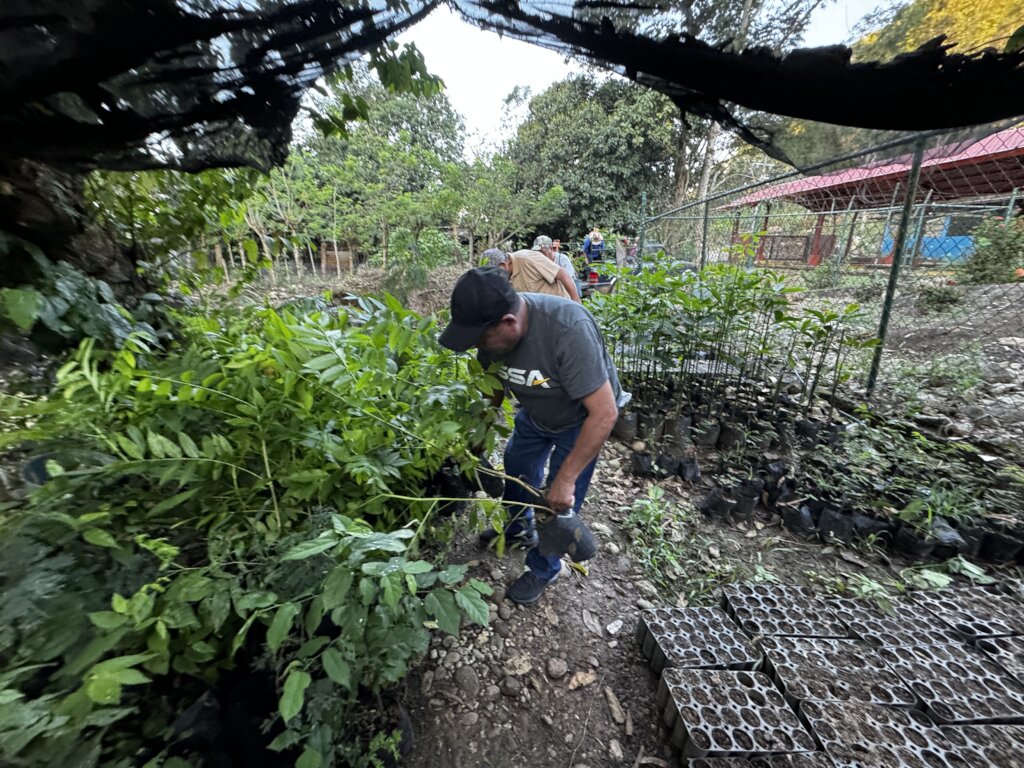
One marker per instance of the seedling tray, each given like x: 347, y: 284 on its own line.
x: 848, y: 672
x: 776, y: 610
x: 775, y: 646
x: 909, y: 623
x: 716, y: 713
x: 806, y: 760
x: 988, y: 745
x: 694, y: 638
x: 1007, y: 653
x: 957, y: 684
x: 719, y: 762
x: 975, y: 612
x: 859, y: 735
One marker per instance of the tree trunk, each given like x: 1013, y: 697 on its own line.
x: 312, y: 264
x: 680, y: 167
x: 270, y: 258
x: 385, y: 244
x: 707, y: 163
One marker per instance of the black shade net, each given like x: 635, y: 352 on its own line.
x: 198, y: 83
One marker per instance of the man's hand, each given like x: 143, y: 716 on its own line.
x: 561, y: 496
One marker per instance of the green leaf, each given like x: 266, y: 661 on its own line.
x: 336, y: 667
x: 130, y: 449
x: 219, y: 606
x: 100, y: 538
x: 926, y: 578
x: 310, y: 548
x: 322, y: 361
x: 312, y: 647
x: 417, y: 566
x: 121, y: 662
x: 107, y: 619
x: 367, y: 590
x: 469, y: 600
x: 103, y: 689
x: 479, y: 586
x: 239, y: 638
x: 173, y: 501
x: 309, y: 758
x: 336, y: 587
x: 294, y: 694
x: 188, y: 446
x: 441, y: 605
x: 391, y: 594
x: 453, y: 574
x: 21, y: 306
x: 130, y: 677
x: 280, y: 626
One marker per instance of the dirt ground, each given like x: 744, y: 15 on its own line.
x: 537, y: 687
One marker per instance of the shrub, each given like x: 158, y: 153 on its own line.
x: 936, y: 298
x: 254, y: 503
x: 998, y: 252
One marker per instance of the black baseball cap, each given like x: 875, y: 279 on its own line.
x: 480, y: 299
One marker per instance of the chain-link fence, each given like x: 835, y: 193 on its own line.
x: 926, y: 235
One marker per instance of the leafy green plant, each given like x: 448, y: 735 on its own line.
x: 998, y: 252
x: 259, y: 500
x: 944, y: 498
x: 938, y: 297
x: 686, y: 567
x: 823, y: 276
x: 58, y: 305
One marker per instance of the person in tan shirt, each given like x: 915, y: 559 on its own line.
x: 533, y: 272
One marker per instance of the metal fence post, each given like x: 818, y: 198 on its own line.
x: 704, y: 236
x: 1010, y: 206
x: 897, y: 261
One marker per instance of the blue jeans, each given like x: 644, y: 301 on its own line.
x: 526, y: 455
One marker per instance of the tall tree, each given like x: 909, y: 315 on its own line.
x: 604, y: 143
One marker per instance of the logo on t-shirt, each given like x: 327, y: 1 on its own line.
x: 523, y: 377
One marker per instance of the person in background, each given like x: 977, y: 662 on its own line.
x: 593, y: 245
x: 533, y: 272
x: 546, y: 246
x: 554, y: 360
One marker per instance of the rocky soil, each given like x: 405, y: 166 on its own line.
x: 562, y: 683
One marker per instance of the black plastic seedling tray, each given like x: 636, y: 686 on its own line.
x: 717, y: 713
x: 844, y: 672
x: 957, y: 684
x: 975, y: 612
x: 859, y: 735
x: 694, y: 638
x: 988, y: 745
x: 908, y: 623
x: 1006, y: 652
x: 773, y: 610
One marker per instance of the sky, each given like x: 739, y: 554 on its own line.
x: 481, y: 68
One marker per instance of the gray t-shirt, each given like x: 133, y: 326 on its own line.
x: 561, y: 360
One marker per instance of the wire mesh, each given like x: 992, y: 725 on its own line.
x: 951, y: 318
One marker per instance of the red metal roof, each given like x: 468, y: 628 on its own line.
x: 990, y: 166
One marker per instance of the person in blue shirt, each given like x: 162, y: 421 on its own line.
x: 593, y: 246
